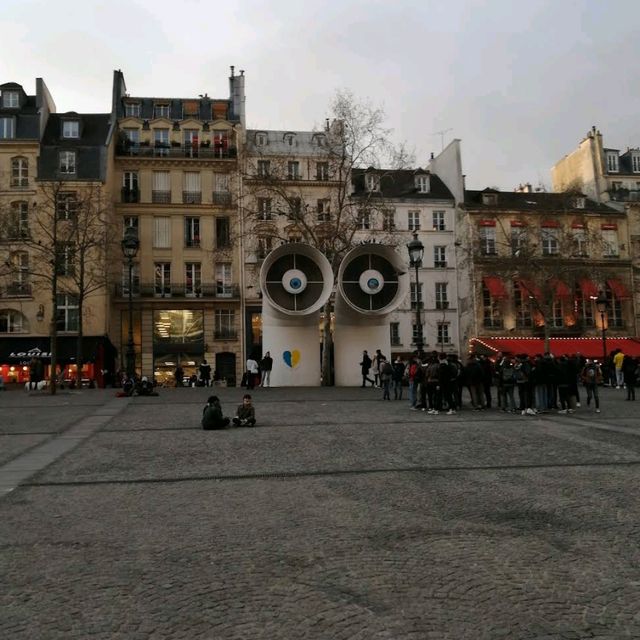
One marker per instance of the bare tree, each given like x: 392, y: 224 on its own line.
x: 281, y: 207
x: 66, y: 236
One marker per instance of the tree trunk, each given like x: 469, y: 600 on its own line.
x: 327, y: 345
x: 79, y: 347
x: 547, y: 337
x: 53, y: 339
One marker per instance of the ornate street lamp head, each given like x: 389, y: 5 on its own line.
x: 130, y: 243
x: 416, y: 251
x: 602, y: 303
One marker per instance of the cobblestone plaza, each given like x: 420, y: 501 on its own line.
x: 339, y: 516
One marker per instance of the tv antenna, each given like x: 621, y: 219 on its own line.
x: 441, y: 134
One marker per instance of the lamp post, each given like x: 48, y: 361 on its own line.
x: 416, y: 252
x: 130, y: 245
x: 602, y: 304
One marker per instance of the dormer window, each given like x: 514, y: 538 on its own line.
x: 261, y: 139
x: 161, y: 110
x: 422, y: 184
x: 612, y: 162
x: 320, y: 140
x: 635, y: 162
x: 579, y: 202
x: 132, y: 109
x: 7, y: 128
x: 372, y: 181
x: 289, y: 138
x: 70, y: 129
x: 490, y: 199
x: 10, y: 99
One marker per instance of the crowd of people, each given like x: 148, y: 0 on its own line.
x: 517, y: 384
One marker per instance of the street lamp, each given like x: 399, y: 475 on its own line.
x: 416, y: 252
x: 602, y: 304
x: 130, y: 245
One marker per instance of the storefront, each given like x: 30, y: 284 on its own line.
x: 98, y: 354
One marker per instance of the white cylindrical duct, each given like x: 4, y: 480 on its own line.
x: 296, y: 281
x: 372, y: 282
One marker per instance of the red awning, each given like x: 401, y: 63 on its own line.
x: 588, y: 288
x: 531, y: 289
x: 496, y: 287
x: 588, y: 347
x: 619, y: 290
x: 560, y: 289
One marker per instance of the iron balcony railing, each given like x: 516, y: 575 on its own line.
x: 179, y: 290
x: 222, y: 198
x: 16, y: 290
x: 161, y: 197
x: 192, y: 197
x: 182, y: 151
x: 130, y: 196
x: 227, y: 334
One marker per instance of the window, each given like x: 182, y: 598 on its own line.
x: 20, y: 273
x: 161, y: 110
x: 132, y: 136
x: 439, y: 223
x: 579, y: 242
x: 224, y: 288
x: 12, y: 321
x: 422, y: 184
x: 191, y: 192
x: 192, y: 279
x: 161, y: 141
x: 394, y: 332
x: 264, y: 208
x: 523, y: 307
x: 261, y: 139
x: 130, y: 186
x: 265, y: 244
x: 549, y: 237
x: 161, y: 232
x: 321, y: 140
x: 161, y: 191
x: 443, y: 333
x: 66, y: 312
x: 416, y: 333
x: 372, y: 182
x: 225, y: 324
x: 65, y: 259
x: 221, y: 192
x: 364, y: 219
x: 584, y: 307
x: 440, y: 257
x: 135, y: 279
x: 389, y: 220
x: 518, y: 240
x: 295, y: 208
x: 557, y: 318
x: 221, y: 144
x: 416, y: 300
x: 324, y: 210
x: 70, y: 129
x: 10, y: 99
x: 130, y: 221
x: 414, y: 220
x: 492, y: 317
x: 579, y: 202
x: 66, y: 205
x: 67, y: 162
x: 635, y: 163
x: 441, y: 296
x: 610, y: 248
x: 293, y: 170
x: 614, y: 311
x: 490, y: 199
x: 192, y: 232
x: 264, y: 167
x: 18, y: 226
x: 7, y: 128
x: 190, y: 141
x: 322, y: 171
x: 162, y: 283
x: 289, y: 138
x: 19, y: 172
x: 487, y: 236
x: 612, y: 161
x: 223, y: 236
x: 132, y: 110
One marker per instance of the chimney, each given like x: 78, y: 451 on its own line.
x: 236, y: 91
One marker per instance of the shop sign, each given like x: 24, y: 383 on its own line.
x: 31, y: 353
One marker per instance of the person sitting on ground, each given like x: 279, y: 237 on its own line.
x: 246, y: 413
x: 145, y: 387
x: 212, y: 417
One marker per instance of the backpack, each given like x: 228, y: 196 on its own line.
x: 508, y: 374
x: 520, y: 375
x: 590, y: 374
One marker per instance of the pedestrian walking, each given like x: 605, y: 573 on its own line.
x: 253, y: 371
x: 629, y: 367
x: 365, y: 367
x: 205, y: 373
x: 591, y: 377
x: 179, y: 376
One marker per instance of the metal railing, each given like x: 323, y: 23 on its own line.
x: 130, y: 195
x: 161, y: 197
x: 222, y: 198
x: 192, y: 197
x: 180, y: 290
x: 182, y: 151
x: 16, y: 290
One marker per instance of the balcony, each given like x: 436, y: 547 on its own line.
x: 221, y: 198
x: 19, y: 183
x: 440, y: 264
x: 181, y: 151
x: 130, y: 196
x: 209, y: 290
x: 161, y: 197
x: 16, y: 290
x: 191, y: 197
x: 227, y: 334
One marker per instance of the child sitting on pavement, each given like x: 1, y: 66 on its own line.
x: 246, y: 413
x: 212, y: 417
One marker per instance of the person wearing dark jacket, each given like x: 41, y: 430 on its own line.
x: 629, y: 367
x: 212, y: 418
x: 365, y: 367
x: 398, y: 376
x: 245, y: 413
x: 487, y: 379
x: 474, y: 376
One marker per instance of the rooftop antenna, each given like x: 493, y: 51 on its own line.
x: 441, y: 134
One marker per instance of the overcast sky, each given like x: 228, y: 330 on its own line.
x: 520, y: 83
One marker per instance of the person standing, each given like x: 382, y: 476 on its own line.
x: 618, y: 361
x: 252, y: 373
x: 179, y: 376
x: 378, y: 360
x: 591, y: 377
x: 205, y: 373
x: 365, y: 367
x: 398, y: 377
x: 629, y: 367
x: 266, y: 364
x: 386, y: 374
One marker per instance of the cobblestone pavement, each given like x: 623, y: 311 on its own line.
x: 340, y: 516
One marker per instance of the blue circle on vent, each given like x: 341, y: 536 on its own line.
x: 295, y: 283
x: 373, y: 283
